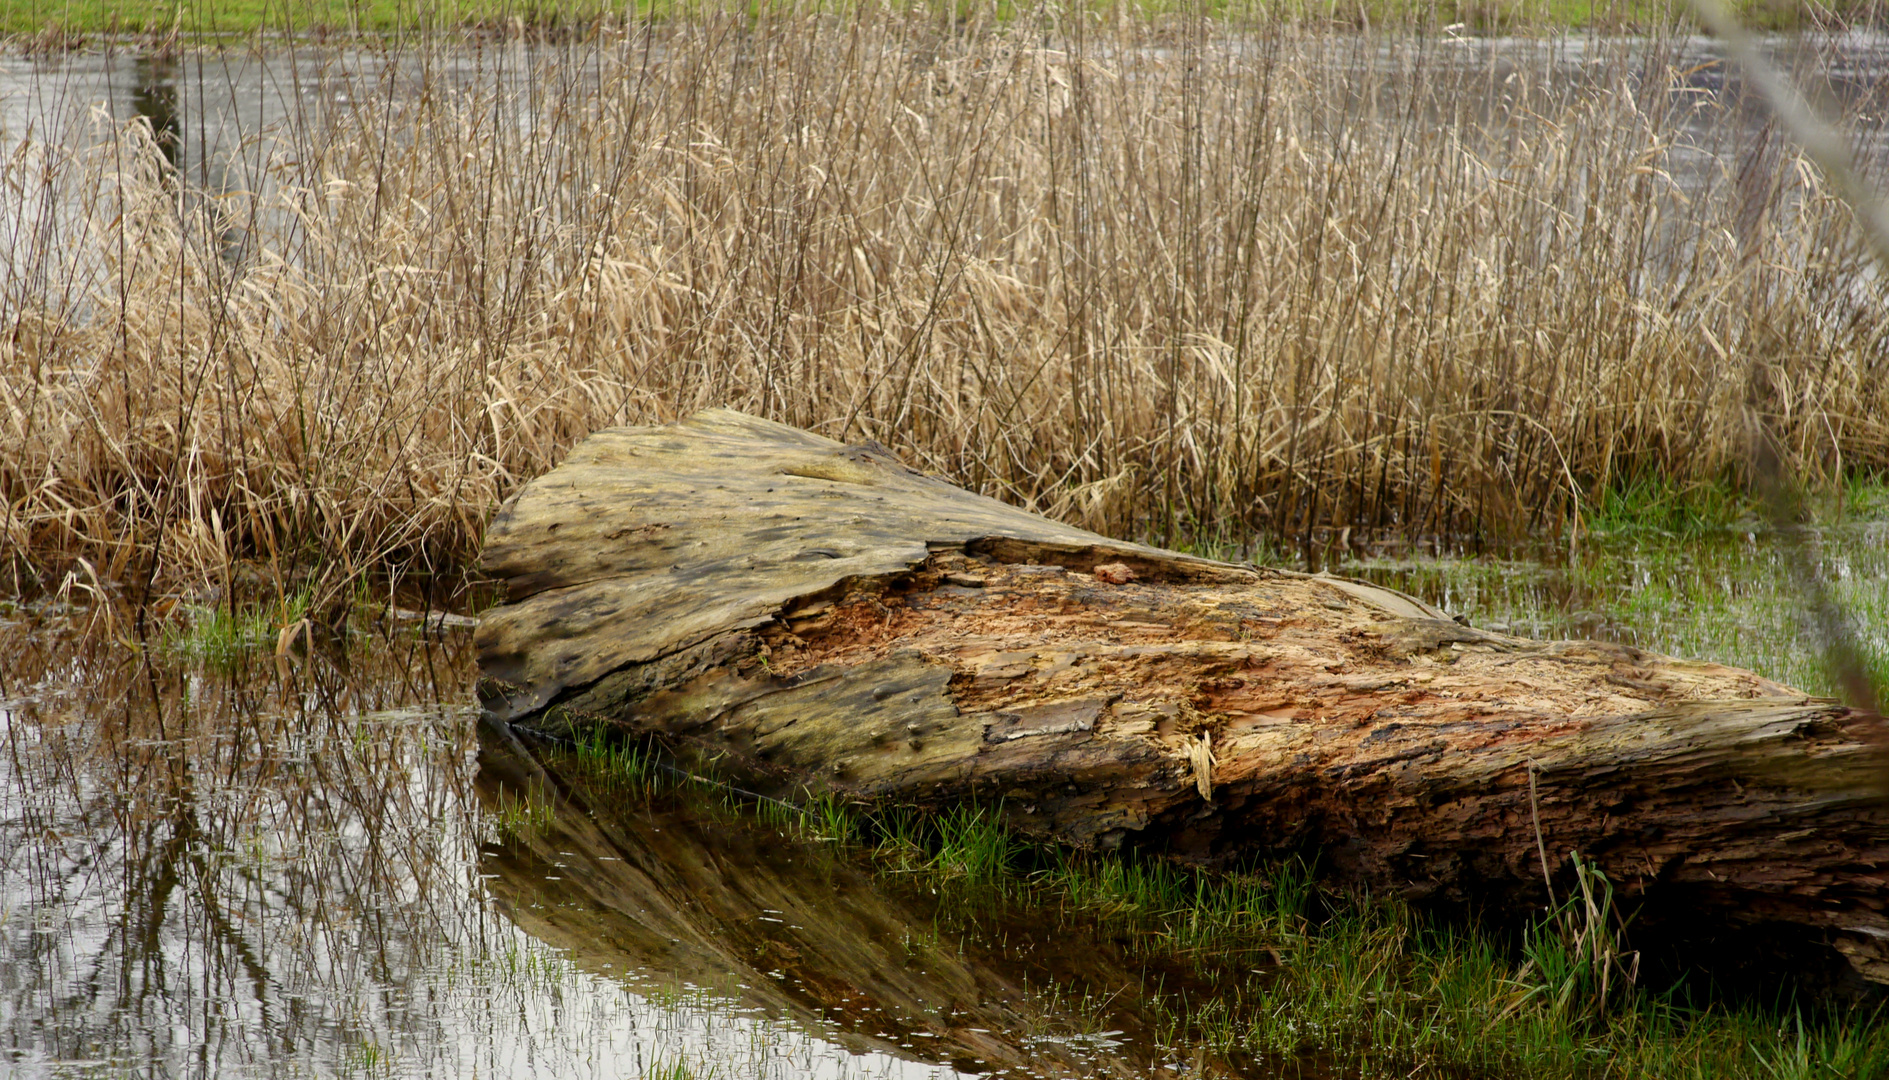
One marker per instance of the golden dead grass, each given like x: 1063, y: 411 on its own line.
x: 1158, y: 278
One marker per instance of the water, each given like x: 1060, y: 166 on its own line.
x: 1725, y: 594
x: 227, y: 863
x: 218, y: 861
x: 229, y: 871
x: 217, y: 115
x: 221, y: 116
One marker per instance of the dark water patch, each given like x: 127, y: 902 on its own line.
x: 154, y: 97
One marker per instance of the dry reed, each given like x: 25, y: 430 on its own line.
x: 1164, y: 278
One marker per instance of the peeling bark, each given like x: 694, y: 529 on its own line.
x: 810, y: 616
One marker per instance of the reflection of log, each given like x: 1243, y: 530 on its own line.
x: 806, y: 614
x: 798, y: 930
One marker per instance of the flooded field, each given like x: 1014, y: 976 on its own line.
x: 220, y: 861
x: 1718, y: 593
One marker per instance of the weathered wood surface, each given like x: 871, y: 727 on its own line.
x: 807, y: 615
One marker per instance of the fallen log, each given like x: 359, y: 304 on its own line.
x: 801, y: 615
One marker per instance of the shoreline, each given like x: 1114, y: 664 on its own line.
x: 241, y: 25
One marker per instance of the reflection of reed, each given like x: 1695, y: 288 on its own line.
x: 154, y: 97
x: 245, y: 863
x: 260, y: 864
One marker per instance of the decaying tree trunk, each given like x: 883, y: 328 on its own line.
x: 812, y: 616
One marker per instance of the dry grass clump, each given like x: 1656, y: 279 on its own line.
x: 1158, y: 277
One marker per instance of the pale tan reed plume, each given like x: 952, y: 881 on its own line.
x: 1165, y: 278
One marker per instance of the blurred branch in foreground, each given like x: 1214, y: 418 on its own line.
x: 1782, y: 496
x: 1783, y: 502
x: 1819, y: 138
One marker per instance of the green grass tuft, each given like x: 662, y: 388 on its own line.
x: 1663, y: 506
x: 612, y: 763
x: 517, y: 816
x: 219, y: 635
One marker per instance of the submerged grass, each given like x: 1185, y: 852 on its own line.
x: 1721, y: 593
x: 1176, y: 277
x: 1287, y: 975
x: 221, y: 634
x: 515, y: 815
x: 217, y: 635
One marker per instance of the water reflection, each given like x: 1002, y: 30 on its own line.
x: 252, y: 866
x: 224, y: 871
x: 660, y: 885
x: 154, y: 97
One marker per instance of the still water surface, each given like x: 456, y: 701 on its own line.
x: 223, y: 116
x: 231, y: 868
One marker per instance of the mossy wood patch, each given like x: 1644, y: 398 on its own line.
x: 801, y: 615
